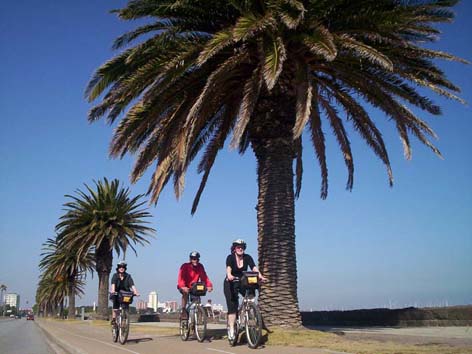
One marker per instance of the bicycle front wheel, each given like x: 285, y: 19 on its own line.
x: 253, y: 325
x: 124, y: 327
x: 184, y: 330
x: 200, y: 323
x: 114, y: 331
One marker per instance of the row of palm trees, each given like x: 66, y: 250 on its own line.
x: 95, y: 223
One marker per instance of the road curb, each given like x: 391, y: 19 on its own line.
x: 57, y: 346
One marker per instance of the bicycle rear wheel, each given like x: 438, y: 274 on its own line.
x: 253, y: 325
x: 124, y: 326
x: 200, y: 323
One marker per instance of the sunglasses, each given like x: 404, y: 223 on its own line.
x: 194, y: 258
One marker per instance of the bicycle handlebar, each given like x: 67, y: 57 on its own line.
x: 116, y: 294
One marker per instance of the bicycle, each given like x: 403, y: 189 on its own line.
x: 196, y: 314
x: 120, y: 328
x: 248, y: 317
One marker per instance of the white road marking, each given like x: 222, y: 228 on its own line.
x: 220, y: 351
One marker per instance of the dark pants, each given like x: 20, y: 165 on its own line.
x: 232, y: 290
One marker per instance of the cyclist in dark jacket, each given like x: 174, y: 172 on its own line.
x: 121, y: 280
x: 236, y: 263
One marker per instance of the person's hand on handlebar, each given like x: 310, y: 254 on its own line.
x: 210, y: 289
x: 185, y: 289
x: 262, y: 278
x: 230, y: 277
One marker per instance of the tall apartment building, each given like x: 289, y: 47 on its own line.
x: 12, y: 299
x: 152, y: 300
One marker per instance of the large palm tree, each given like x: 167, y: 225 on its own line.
x: 261, y: 72
x: 65, y: 263
x: 104, y: 219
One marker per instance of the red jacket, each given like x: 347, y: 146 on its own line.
x: 188, y: 274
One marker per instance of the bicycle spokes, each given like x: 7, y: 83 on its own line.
x: 200, y: 323
x: 184, y: 329
x: 114, y: 332
x: 253, y: 325
x: 124, y: 327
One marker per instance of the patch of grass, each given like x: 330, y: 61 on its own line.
x: 161, y: 331
x: 317, y: 339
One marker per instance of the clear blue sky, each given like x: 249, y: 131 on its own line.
x: 374, y: 246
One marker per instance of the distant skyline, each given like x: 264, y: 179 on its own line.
x: 375, y: 246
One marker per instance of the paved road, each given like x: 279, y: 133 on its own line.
x: 18, y: 336
x: 82, y: 338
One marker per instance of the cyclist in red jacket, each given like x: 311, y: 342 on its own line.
x: 189, y: 273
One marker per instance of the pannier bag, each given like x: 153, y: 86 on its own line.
x: 250, y: 280
x: 199, y: 289
x: 125, y: 297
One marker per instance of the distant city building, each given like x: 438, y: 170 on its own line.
x: 214, y: 307
x: 217, y: 307
x: 171, y: 305
x: 152, y: 300
x: 12, y: 299
x: 141, y: 305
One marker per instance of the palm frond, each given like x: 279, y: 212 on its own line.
x: 275, y: 55
x: 304, y: 99
x: 251, y: 94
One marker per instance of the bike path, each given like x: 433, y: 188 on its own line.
x: 78, y: 337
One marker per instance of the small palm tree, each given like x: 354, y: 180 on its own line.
x: 65, y: 264
x: 260, y: 72
x: 104, y: 219
x: 3, y: 289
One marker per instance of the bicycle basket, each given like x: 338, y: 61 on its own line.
x: 250, y: 280
x: 198, y: 289
x: 125, y: 297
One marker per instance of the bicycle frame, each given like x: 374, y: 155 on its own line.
x: 197, y: 319
x: 248, y: 319
x: 120, y: 330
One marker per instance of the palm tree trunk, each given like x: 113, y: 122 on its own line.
x: 276, y: 234
x: 103, y: 259
x: 273, y: 145
x: 71, y: 312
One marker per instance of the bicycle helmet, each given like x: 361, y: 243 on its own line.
x: 194, y: 254
x: 121, y: 264
x: 238, y: 242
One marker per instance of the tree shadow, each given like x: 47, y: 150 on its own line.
x: 139, y: 340
x: 215, y: 334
